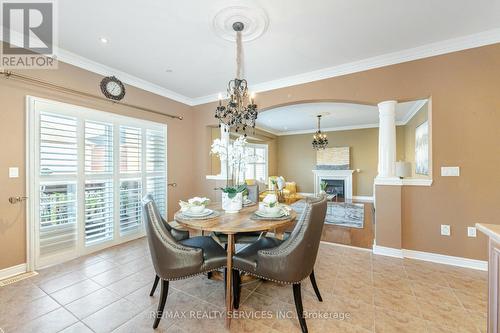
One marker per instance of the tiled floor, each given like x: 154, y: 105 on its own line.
x: 108, y: 291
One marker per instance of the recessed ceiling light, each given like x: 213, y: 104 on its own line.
x: 103, y: 40
x: 169, y: 70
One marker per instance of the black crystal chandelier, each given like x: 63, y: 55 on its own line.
x: 320, y: 140
x: 240, y: 112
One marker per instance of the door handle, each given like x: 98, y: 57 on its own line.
x: 172, y: 184
x: 14, y: 200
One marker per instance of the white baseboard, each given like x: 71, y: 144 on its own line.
x: 431, y: 257
x: 347, y: 246
x: 362, y: 198
x: 11, y: 271
x: 447, y: 260
x: 387, y: 251
x: 354, y: 197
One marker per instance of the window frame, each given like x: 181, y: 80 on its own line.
x: 34, y: 107
x: 266, y: 162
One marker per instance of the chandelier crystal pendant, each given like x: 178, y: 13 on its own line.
x: 240, y: 112
x: 320, y: 140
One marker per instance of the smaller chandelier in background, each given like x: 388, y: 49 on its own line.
x: 320, y: 140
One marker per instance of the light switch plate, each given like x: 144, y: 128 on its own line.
x: 450, y: 171
x: 471, y: 232
x: 445, y: 230
x: 13, y: 172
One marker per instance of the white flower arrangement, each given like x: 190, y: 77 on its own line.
x: 197, y: 201
x: 270, y: 200
x: 236, y: 161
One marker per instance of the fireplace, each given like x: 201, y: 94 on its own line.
x: 335, y: 186
x: 338, y: 180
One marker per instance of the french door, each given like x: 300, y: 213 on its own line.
x: 87, y: 173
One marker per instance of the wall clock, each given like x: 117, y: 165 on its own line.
x: 112, y: 88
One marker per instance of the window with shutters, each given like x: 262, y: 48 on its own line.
x: 91, y: 170
x: 257, y: 167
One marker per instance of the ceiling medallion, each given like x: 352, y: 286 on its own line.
x: 320, y: 140
x: 240, y: 112
x: 254, y: 19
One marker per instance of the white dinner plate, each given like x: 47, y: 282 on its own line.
x: 264, y: 214
x: 205, y: 212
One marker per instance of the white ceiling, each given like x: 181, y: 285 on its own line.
x: 302, y: 118
x: 169, y: 47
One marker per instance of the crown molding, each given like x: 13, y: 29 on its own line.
x: 415, y: 108
x: 328, y: 129
x: 98, y: 68
x: 425, y: 51
x: 63, y: 55
x: 429, y: 50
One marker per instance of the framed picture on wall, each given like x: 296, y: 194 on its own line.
x: 422, y: 149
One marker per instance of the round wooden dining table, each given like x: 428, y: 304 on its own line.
x: 231, y: 224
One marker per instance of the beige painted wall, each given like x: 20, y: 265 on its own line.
x: 388, y: 216
x: 296, y: 158
x: 465, y: 117
x: 12, y: 137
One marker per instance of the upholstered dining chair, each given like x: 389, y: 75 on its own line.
x: 289, y: 261
x: 175, y: 260
x: 177, y: 234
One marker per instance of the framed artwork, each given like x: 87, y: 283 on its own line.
x: 336, y: 158
x: 422, y: 149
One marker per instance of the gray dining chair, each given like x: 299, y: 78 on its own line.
x: 175, y: 260
x: 287, y: 262
x: 177, y: 234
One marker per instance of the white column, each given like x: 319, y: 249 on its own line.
x: 387, y: 139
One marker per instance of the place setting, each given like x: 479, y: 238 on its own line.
x: 271, y: 209
x: 196, y: 209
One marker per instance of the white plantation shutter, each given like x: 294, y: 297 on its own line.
x: 57, y: 216
x: 98, y: 148
x: 130, y: 205
x: 156, y: 167
x: 98, y: 211
x: 155, y: 151
x: 157, y: 188
x: 91, y: 172
x: 257, y: 169
x: 130, y: 149
x: 58, y: 151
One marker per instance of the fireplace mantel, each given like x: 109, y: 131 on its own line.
x: 345, y: 175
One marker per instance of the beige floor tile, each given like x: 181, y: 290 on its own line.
x: 91, y: 303
x: 353, y: 289
x: 379, y: 293
x: 357, y: 312
x: 22, y: 291
x: 392, y: 282
x: 75, y: 291
x: 396, y: 301
x: 61, y: 282
x: 141, y: 297
x: 397, y: 322
x: 14, y: 314
x: 435, y: 293
x: 111, y: 316
x: 54, y: 321
x: 97, y: 268
x: 132, y: 282
x: 143, y: 322
x: 446, y: 314
x: 78, y: 327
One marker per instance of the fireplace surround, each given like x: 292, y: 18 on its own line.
x: 344, y: 175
